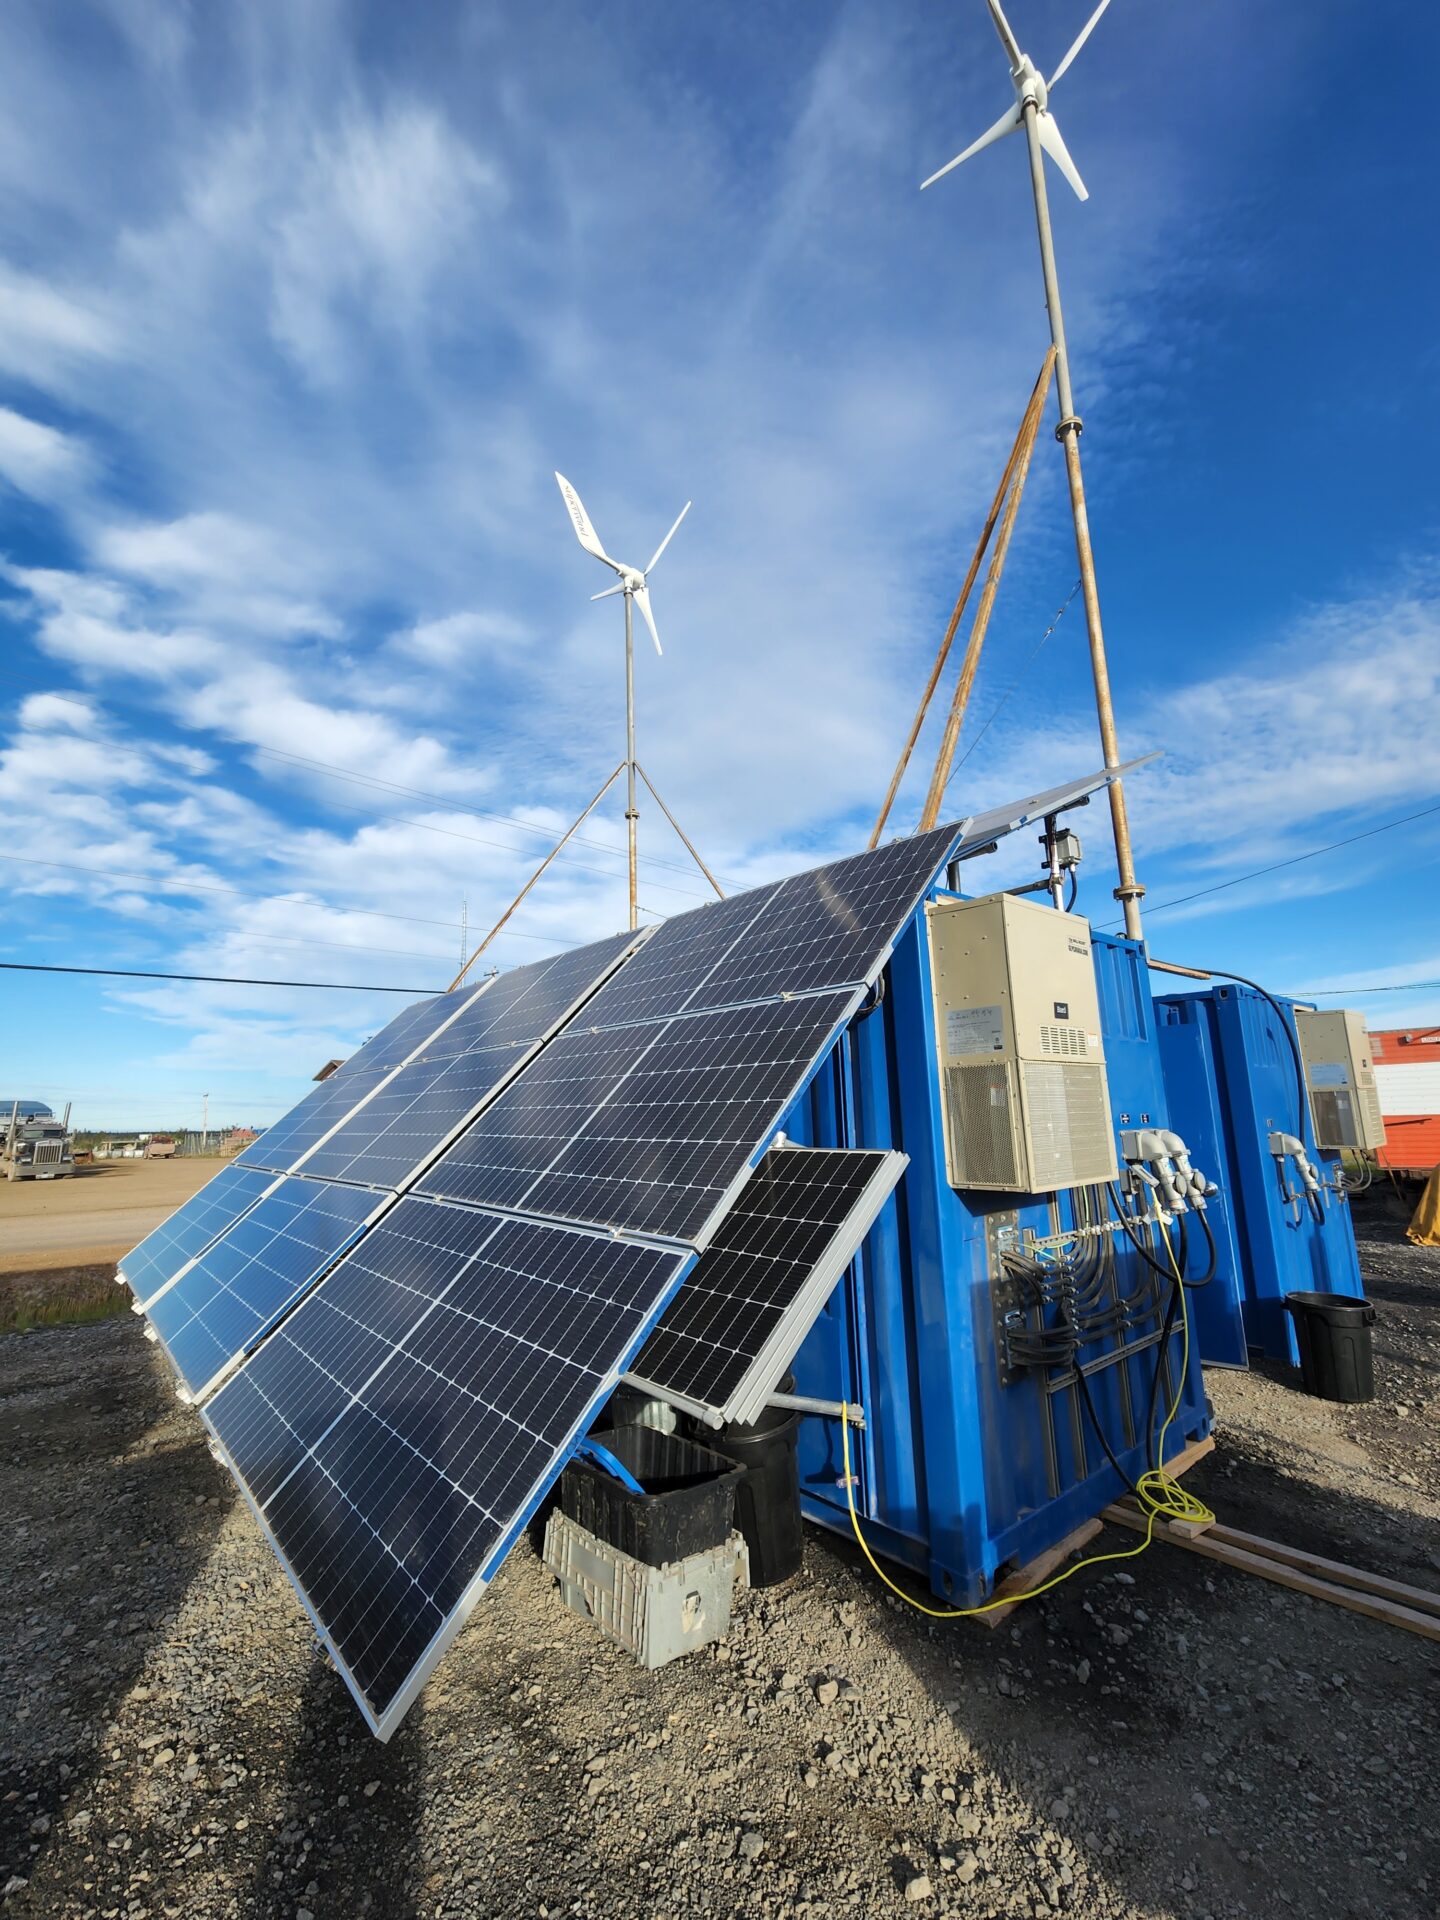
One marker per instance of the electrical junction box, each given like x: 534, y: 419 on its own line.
x: 1022, y: 1064
x: 1340, y: 1078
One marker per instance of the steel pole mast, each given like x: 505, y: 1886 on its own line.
x: 631, y: 811
x: 1129, y: 891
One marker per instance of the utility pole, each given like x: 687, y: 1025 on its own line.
x: 205, y: 1123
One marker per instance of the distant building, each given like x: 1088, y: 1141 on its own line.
x: 1407, y: 1078
x: 330, y: 1066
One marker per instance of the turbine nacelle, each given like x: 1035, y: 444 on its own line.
x: 631, y: 580
x: 1031, y: 88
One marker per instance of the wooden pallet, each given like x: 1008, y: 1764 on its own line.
x: 1015, y: 1586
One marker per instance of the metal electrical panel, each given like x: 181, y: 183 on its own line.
x: 1340, y: 1078
x: 1022, y: 1065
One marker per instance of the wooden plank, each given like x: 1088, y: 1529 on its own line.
x: 1036, y: 1572
x: 1189, y: 1455
x: 1371, y: 1605
x: 1418, y: 1599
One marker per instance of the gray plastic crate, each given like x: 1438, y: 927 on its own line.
x: 656, y: 1613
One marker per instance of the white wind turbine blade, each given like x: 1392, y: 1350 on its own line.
x: 1007, y: 36
x: 1081, y: 38
x: 580, y: 520
x: 608, y: 591
x: 1007, y: 123
x: 642, y: 601
x: 1052, y: 143
x: 669, y: 536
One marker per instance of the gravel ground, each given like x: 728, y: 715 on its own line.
x: 1169, y: 1738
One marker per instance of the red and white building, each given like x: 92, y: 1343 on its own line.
x: 1407, y: 1078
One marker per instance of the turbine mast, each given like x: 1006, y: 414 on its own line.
x: 1129, y: 892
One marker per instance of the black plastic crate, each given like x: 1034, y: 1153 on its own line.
x: 688, y: 1505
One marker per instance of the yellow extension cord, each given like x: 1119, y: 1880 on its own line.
x: 1162, y: 1497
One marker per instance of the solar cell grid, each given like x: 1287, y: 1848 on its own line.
x: 219, y: 1308
x: 748, y: 1302
x: 281, y: 1145
x: 829, y: 926
x: 392, y: 1488
x: 191, y: 1228
x: 414, y: 1112
x: 644, y: 1128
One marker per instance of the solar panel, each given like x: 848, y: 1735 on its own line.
x: 428, y: 1099
x: 737, y: 1322
x: 217, y: 1308
x: 645, y: 1128
x: 996, y: 822
x: 826, y: 928
x: 282, y: 1144
x: 399, y: 1428
x: 189, y: 1230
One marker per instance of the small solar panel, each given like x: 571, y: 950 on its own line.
x: 190, y: 1229
x: 422, y: 1105
x: 645, y: 1128
x: 400, y: 1427
x: 222, y: 1304
x: 731, y: 1331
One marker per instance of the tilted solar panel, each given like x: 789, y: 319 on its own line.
x: 282, y: 1144
x: 396, y: 1427
x: 189, y: 1230
x: 746, y: 1305
x: 644, y: 1128
x: 218, y: 1307
x: 827, y: 928
x: 400, y: 1427
x: 424, y: 1103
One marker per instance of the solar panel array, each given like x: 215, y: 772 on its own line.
x: 400, y: 1426
x: 399, y: 1419
x: 217, y: 1309
x: 282, y: 1144
x: 203, y: 1218
x: 739, y: 1319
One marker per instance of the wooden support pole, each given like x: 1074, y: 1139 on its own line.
x: 969, y: 665
x: 1029, y: 421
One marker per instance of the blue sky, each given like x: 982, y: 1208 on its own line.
x: 301, y: 306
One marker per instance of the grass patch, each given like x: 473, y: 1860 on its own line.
x: 66, y: 1297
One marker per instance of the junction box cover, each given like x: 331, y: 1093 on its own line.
x: 1022, y: 1063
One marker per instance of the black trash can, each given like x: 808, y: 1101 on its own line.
x: 767, y: 1500
x: 1333, y: 1334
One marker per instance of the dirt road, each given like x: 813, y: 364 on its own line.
x: 1164, y: 1739
x: 98, y: 1213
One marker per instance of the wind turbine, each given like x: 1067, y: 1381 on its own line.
x: 1042, y: 135
x: 633, y: 583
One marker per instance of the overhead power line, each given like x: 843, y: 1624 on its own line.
x: 1312, y: 853
x: 1338, y: 993
x: 213, y: 979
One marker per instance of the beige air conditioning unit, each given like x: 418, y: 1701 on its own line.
x: 1340, y: 1078
x: 1022, y: 1067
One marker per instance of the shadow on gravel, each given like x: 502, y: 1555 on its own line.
x: 89, y: 1473
x: 348, y: 1835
